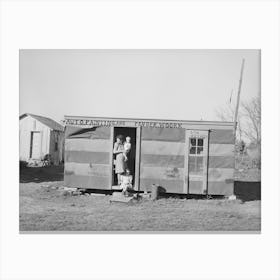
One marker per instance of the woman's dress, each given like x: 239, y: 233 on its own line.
x: 120, y: 163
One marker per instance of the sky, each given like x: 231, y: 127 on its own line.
x: 159, y: 84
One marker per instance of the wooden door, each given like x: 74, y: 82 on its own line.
x: 35, y: 145
x: 196, y: 161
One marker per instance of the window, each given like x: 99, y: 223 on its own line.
x: 196, y: 146
x: 55, y: 146
x: 196, y: 156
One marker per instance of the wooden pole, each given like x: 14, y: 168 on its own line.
x: 238, y: 97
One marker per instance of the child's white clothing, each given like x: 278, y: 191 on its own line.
x: 126, y: 182
x: 127, y: 148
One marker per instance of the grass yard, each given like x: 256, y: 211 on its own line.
x: 43, y: 207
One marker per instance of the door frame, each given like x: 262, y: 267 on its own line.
x: 137, y: 159
x: 137, y: 155
x: 111, y: 162
x: 205, y: 135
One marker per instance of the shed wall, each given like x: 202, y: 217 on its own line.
x: 56, y: 154
x: 88, y: 163
x: 162, y: 158
x: 221, y: 162
x: 87, y: 157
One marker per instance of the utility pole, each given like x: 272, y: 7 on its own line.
x: 238, y: 97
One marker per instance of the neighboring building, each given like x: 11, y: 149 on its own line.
x: 39, y: 136
x: 190, y: 157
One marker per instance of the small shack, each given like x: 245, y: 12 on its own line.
x: 185, y: 157
x: 40, y: 136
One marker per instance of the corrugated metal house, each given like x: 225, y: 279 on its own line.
x: 39, y: 136
x: 190, y: 157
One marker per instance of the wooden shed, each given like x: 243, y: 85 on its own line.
x: 186, y: 157
x: 39, y: 136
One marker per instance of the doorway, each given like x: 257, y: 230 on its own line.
x: 131, y: 162
x: 35, y: 145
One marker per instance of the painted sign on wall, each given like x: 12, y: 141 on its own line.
x: 110, y: 123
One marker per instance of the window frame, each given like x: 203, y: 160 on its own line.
x: 198, y: 167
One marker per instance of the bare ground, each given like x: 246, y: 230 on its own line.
x: 43, y: 208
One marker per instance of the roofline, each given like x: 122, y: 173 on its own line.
x: 153, y: 120
x: 34, y: 116
x: 22, y: 115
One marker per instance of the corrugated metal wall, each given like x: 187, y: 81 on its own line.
x: 162, y: 158
x: 221, y: 162
x: 87, y: 157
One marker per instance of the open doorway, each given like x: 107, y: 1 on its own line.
x: 131, y: 132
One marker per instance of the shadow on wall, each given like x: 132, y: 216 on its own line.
x: 247, y: 191
x: 41, y: 174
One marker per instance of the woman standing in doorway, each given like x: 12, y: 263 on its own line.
x: 120, y: 158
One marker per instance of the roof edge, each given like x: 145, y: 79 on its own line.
x: 226, y: 123
x: 50, y: 123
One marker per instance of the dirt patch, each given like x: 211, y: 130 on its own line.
x: 43, y: 207
x: 46, y: 209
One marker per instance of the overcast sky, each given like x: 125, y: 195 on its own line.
x: 164, y: 84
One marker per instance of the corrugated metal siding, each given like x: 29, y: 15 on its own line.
x: 87, y: 158
x: 73, y: 132
x: 171, y: 186
x: 221, y: 136
x: 221, y: 162
x: 163, y: 134
x: 87, y: 182
x: 221, y: 188
x: 162, y: 159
